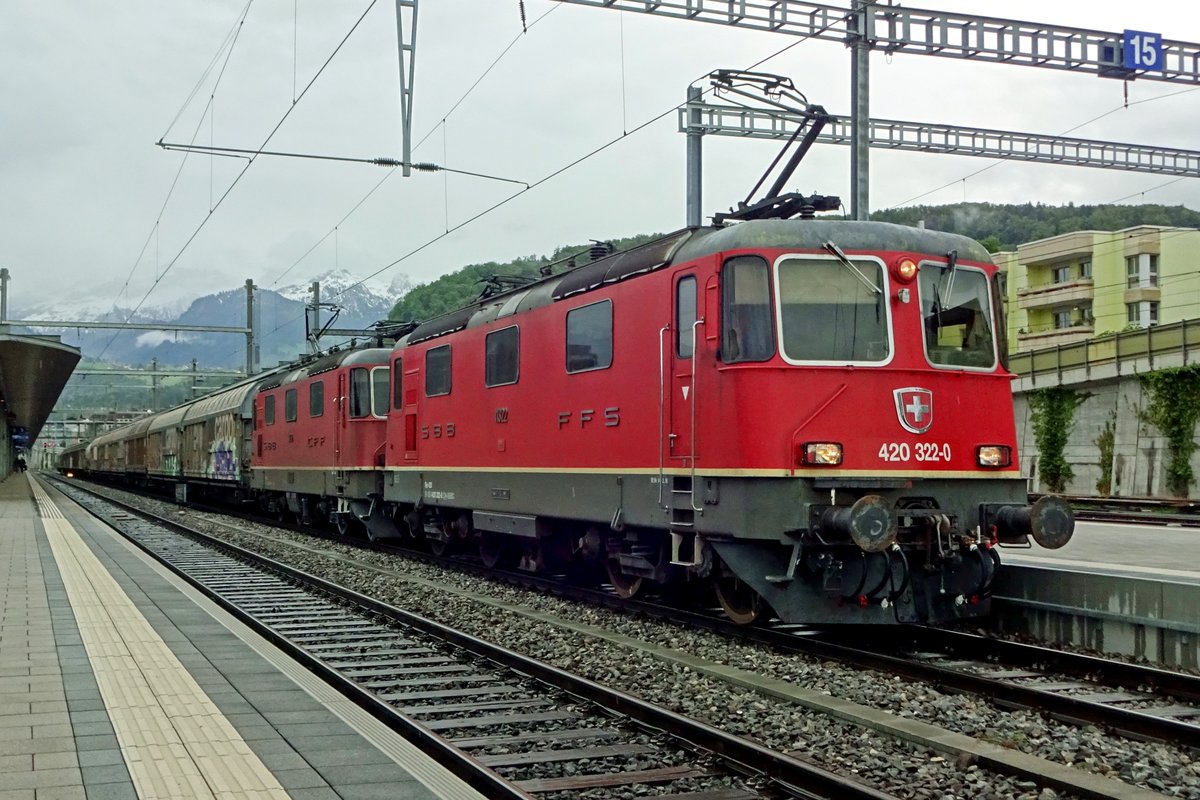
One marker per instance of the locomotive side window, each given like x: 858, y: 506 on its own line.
x: 316, y: 398
x: 746, y: 311
x: 398, y: 383
x: 380, y: 386
x: 437, y: 371
x: 290, y: 405
x: 360, y: 392
x: 503, y: 348
x: 685, y: 316
x: 269, y: 409
x: 830, y: 312
x: 957, y: 314
x: 590, y: 337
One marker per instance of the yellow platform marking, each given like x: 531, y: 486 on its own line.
x: 176, y: 742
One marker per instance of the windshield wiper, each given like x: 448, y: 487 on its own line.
x: 840, y: 256
x: 951, y: 264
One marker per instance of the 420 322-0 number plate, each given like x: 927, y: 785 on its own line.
x: 920, y: 451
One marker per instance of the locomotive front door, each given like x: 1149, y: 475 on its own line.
x: 412, y: 378
x: 680, y: 445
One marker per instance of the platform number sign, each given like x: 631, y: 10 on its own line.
x: 1143, y: 50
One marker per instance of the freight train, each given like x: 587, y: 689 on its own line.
x: 810, y: 416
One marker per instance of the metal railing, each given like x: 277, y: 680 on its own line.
x: 1118, y: 350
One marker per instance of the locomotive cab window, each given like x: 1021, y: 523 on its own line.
x: 833, y: 312
x: 316, y: 398
x: 398, y: 383
x: 380, y: 386
x: 290, y: 405
x: 685, y: 316
x: 437, y: 371
x: 269, y: 409
x: 590, y: 337
x: 746, y: 311
x: 360, y: 392
x: 502, y: 357
x: 957, y: 317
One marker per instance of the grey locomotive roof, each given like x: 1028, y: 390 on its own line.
x: 686, y: 245
x: 811, y: 234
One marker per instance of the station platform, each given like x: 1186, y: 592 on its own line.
x: 1151, y: 552
x: 118, y: 680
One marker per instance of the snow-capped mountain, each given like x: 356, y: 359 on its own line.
x: 279, y: 322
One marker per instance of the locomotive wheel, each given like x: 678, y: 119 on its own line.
x: 739, y: 601
x: 346, y: 524
x: 439, y: 542
x: 492, y: 549
x: 626, y: 586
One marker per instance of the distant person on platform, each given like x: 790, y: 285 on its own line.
x: 20, y: 466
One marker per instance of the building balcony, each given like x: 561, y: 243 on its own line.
x: 1067, y: 246
x: 1071, y: 293
x: 1056, y: 336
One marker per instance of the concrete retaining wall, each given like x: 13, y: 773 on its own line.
x: 1148, y: 619
x: 1140, y: 452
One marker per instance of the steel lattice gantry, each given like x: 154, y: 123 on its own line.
x: 764, y: 123
x: 895, y: 29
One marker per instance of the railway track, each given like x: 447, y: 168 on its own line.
x: 510, y: 726
x: 956, y: 663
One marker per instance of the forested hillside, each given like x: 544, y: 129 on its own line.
x: 999, y: 227
x: 1003, y: 227
x: 456, y: 289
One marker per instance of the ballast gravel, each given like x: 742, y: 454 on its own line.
x: 886, y: 763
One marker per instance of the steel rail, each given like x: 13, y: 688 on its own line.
x: 794, y: 776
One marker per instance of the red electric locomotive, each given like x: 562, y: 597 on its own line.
x: 812, y: 415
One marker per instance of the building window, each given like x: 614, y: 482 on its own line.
x: 589, y: 337
x: 437, y: 371
x: 1153, y: 270
x: 1153, y: 315
x: 502, y: 357
x: 316, y: 398
x: 1133, y: 313
x: 1085, y: 269
x: 398, y: 383
x: 1062, y: 319
x: 269, y: 409
x: 1131, y: 271
x: 1062, y: 274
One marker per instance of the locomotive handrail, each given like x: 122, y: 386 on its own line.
x: 662, y: 404
x: 692, y: 455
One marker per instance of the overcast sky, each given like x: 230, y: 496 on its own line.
x: 87, y: 89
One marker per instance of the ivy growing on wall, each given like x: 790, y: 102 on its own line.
x: 1053, y: 414
x: 1174, y: 408
x: 1106, y: 444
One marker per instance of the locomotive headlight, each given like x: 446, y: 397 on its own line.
x: 906, y: 269
x: 825, y: 454
x: 994, y: 455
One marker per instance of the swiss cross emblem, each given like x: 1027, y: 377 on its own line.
x: 914, y: 407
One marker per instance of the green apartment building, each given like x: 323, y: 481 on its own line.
x: 1074, y: 286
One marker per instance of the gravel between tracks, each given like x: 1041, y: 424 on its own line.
x: 886, y: 763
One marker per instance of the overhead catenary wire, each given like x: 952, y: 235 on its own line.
x: 379, y: 161
x: 249, y: 163
x: 537, y: 183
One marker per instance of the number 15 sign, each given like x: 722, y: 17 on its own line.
x: 1143, y: 50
